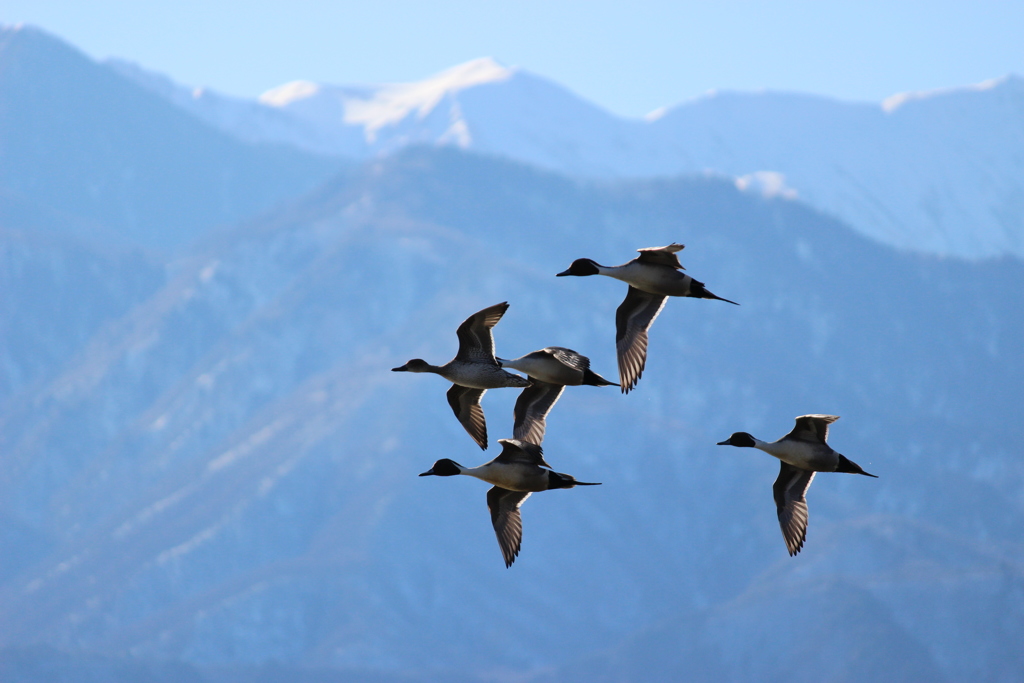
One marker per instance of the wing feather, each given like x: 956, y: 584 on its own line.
x: 508, y: 523
x: 812, y: 427
x: 518, y: 451
x: 476, y: 341
x: 569, y: 357
x: 790, y: 490
x: 465, y: 403
x: 662, y: 256
x: 632, y: 320
x: 532, y: 408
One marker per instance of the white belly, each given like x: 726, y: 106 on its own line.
x: 807, y: 456
x: 511, y: 477
x: 480, y: 376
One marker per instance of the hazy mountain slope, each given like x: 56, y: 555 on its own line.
x: 855, y: 613
x: 79, y: 138
x: 56, y: 290
x: 229, y: 475
x: 938, y: 172
x: 248, y: 120
x: 56, y: 293
x: 40, y: 663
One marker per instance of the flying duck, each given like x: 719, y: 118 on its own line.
x: 474, y: 370
x: 550, y: 371
x: 652, y: 277
x: 516, y: 473
x: 803, y: 452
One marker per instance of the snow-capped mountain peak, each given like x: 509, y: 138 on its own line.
x: 393, y: 103
x: 374, y: 107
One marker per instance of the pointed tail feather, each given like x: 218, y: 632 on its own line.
x: 850, y: 467
x: 698, y: 289
x: 721, y: 298
x: 592, y: 379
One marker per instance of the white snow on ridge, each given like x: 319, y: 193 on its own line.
x: 393, y: 115
x: 766, y: 183
x: 379, y: 106
x: 894, y: 102
x: 283, y: 95
x: 392, y: 103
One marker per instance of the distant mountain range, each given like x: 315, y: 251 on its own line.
x: 940, y: 172
x: 208, y: 473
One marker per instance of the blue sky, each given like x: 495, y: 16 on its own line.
x: 630, y: 58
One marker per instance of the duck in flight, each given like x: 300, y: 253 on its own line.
x: 550, y: 370
x: 516, y: 473
x: 473, y: 371
x: 803, y: 452
x: 652, y: 277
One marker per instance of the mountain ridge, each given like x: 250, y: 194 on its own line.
x: 79, y: 138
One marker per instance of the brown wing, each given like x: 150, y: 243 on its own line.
x: 476, y: 342
x: 532, y: 408
x: 812, y: 427
x: 632, y: 320
x: 663, y: 256
x: 465, y: 403
x: 508, y: 523
x: 790, y: 490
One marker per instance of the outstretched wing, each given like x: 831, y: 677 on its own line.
x: 662, y: 256
x: 790, y: 490
x: 812, y: 427
x: 476, y: 342
x: 532, y: 408
x: 465, y: 403
x: 632, y: 320
x: 508, y: 523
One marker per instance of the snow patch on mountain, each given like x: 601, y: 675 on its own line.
x: 387, y: 105
x: 767, y: 184
x: 894, y: 102
x: 391, y: 104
